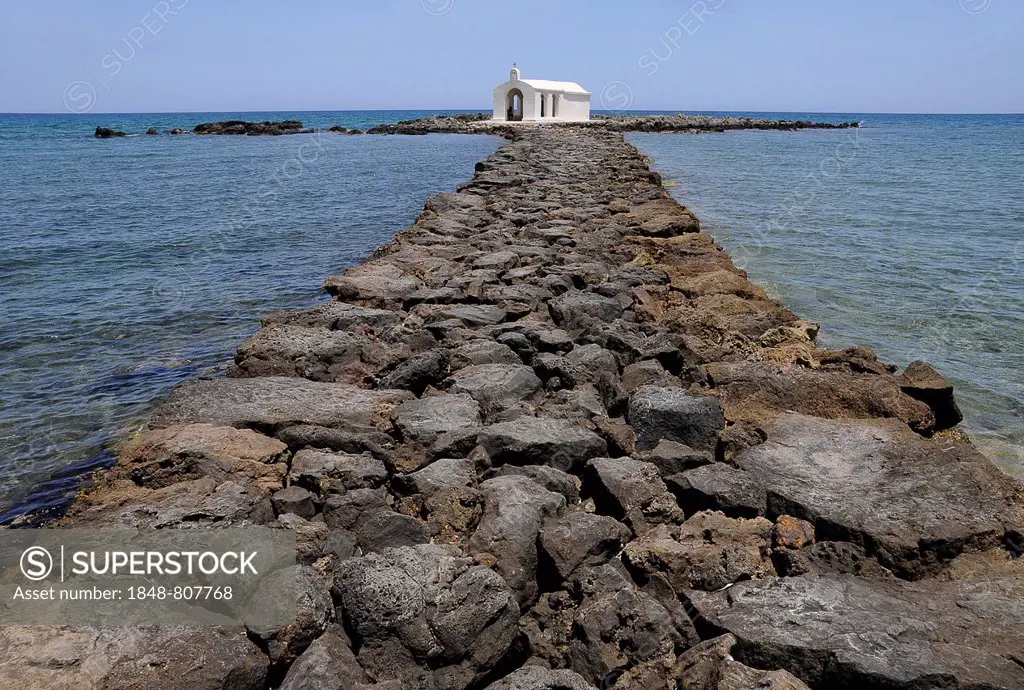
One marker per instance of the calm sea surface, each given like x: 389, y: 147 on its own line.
x: 127, y: 266
x: 906, y: 235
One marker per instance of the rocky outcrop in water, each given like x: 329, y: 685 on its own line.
x: 106, y: 133
x: 551, y: 437
x: 481, y: 123
x: 251, y: 128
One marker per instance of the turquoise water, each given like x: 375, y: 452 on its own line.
x: 129, y: 265
x: 906, y: 235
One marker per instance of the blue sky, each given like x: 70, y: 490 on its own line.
x: 783, y: 55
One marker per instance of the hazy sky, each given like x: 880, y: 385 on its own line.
x: 778, y: 55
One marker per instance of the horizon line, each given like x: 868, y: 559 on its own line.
x: 485, y: 110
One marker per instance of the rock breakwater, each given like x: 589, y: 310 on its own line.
x: 251, y: 128
x: 551, y: 437
x: 481, y: 123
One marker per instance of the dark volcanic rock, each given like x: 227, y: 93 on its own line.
x: 911, y: 502
x: 577, y: 311
x: 251, y: 128
x: 417, y: 373
x: 548, y: 477
x: 539, y: 441
x: 540, y: 678
x: 631, y: 491
x: 415, y: 605
x: 105, y: 133
x: 719, y: 487
x: 276, y: 403
x: 580, y: 539
x: 514, y: 512
x: 922, y: 382
x: 378, y: 529
x: 672, y: 457
x: 708, y: 552
x: 313, y: 612
x: 295, y: 500
x: 830, y: 558
x: 850, y: 632
x: 495, y: 382
x: 328, y: 664
x: 325, y: 472
x: 313, y: 353
x: 618, y: 625
x: 673, y: 415
x: 427, y: 418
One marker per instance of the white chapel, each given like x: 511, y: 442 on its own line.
x: 540, y: 100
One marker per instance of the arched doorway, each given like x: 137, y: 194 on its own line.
x: 514, y: 105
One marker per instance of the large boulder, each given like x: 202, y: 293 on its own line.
x: 316, y: 354
x: 425, y: 419
x: 328, y: 664
x: 758, y: 391
x: 162, y: 457
x: 272, y: 404
x: 913, y: 503
x: 515, y: 508
x: 631, y: 491
x: 426, y: 616
x: 719, y: 487
x: 376, y: 284
x: 618, y: 625
x: 578, y: 311
x: 418, y: 372
x: 540, y: 441
x: 579, y: 539
x: 338, y: 316
x: 708, y: 551
x: 495, y: 382
x: 482, y: 351
x: 313, y: 612
x: 195, y: 503
x: 921, y: 381
x: 130, y: 658
x: 852, y: 632
x: 325, y: 472
x: 672, y: 414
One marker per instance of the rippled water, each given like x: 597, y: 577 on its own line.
x: 906, y: 235
x: 129, y: 265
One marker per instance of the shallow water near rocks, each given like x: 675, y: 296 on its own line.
x: 131, y: 265
x: 906, y: 235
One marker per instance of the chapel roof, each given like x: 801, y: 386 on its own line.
x: 563, y: 86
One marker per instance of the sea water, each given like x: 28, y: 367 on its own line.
x: 906, y: 235
x: 130, y: 265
